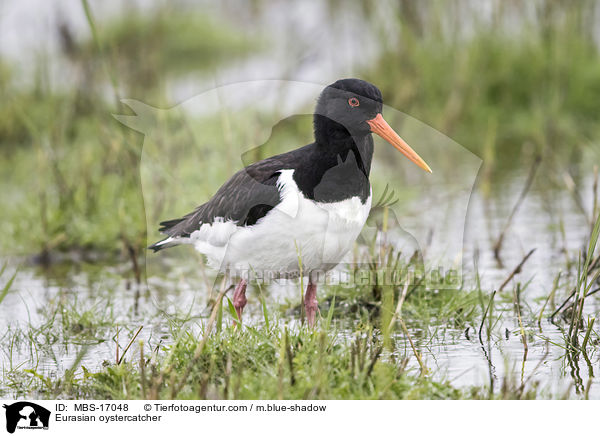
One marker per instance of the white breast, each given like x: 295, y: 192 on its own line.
x: 319, y: 234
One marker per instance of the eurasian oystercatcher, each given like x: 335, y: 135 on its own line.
x: 298, y: 212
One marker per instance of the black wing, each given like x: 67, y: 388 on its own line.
x: 245, y: 198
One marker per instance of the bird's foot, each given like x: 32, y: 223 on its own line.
x: 239, y: 299
x: 310, y: 304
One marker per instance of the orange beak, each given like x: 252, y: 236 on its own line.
x: 382, y: 128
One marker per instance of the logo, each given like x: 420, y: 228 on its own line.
x: 26, y: 415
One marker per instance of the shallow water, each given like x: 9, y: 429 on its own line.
x: 177, y: 289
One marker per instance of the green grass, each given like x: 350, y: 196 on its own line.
x: 261, y: 360
x: 508, y: 91
x: 141, y: 50
x: 357, y: 350
x: 292, y: 365
x: 72, y: 169
x: 71, y: 172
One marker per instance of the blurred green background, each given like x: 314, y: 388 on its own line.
x: 509, y: 80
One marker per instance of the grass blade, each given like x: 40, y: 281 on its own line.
x: 232, y: 311
x: 7, y: 286
x: 330, y: 313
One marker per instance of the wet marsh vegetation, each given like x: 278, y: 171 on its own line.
x: 85, y: 312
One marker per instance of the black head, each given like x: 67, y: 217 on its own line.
x: 352, y: 108
x: 349, y: 103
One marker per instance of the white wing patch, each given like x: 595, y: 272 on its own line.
x: 289, y: 193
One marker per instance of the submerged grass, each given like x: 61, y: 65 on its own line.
x: 262, y: 361
x: 292, y: 365
x: 369, y: 344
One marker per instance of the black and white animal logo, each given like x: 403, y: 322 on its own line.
x: 26, y: 415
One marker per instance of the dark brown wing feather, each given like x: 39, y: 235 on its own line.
x: 245, y: 198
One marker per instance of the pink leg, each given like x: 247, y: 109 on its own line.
x: 310, y: 303
x: 239, y: 298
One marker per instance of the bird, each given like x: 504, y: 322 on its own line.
x: 300, y: 212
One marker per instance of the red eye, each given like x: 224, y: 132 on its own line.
x: 353, y: 102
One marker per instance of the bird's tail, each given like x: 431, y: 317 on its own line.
x: 170, y: 241
x: 165, y: 243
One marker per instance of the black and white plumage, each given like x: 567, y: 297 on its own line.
x: 311, y: 202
